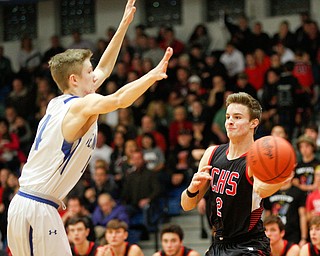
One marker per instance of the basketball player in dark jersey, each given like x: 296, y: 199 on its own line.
x: 275, y: 230
x: 172, y: 242
x: 312, y: 248
x: 235, y: 195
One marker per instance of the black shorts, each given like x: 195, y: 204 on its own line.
x: 251, y: 247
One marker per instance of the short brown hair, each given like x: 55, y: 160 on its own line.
x: 117, y: 224
x: 172, y: 228
x: 315, y: 221
x: 272, y: 219
x: 246, y: 99
x: 67, y: 63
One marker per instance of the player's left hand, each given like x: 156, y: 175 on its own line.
x: 129, y: 12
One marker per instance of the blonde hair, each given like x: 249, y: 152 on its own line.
x: 67, y: 63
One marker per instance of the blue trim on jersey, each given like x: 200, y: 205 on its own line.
x: 38, y: 199
x: 68, y: 157
x: 70, y: 98
x: 66, y: 149
x: 30, y: 240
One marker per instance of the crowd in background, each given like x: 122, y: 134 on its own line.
x: 146, y: 154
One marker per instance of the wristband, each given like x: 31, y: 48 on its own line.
x: 191, y: 195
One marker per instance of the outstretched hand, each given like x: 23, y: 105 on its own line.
x: 200, y: 178
x: 160, y: 70
x: 129, y: 12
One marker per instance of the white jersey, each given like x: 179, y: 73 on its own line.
x: 54, y: 166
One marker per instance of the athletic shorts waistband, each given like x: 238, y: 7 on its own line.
x: 39, y: 197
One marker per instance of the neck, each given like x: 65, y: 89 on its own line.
x: 277, y: 248
x: 83, y: 247
x: 119, y: 249
x: 307, y: 159
x: 238, y: 147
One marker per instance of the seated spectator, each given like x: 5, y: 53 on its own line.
x: 152, y: 155
x: 148, y: 126
x: 279, y: 131
x: 313, y: 198
x: 233, y: 60
x: 178, y: 123
x: 172, y: 242
x: 75, y: 208
x: 140, y: 192
x: 116, y: 235
x: 304, y: 172
x: 11, y: 155
x: 80, y: 43
x: 285, y: 36
x: 170, y: 40
x: 78, y: 230
x: 313, y: 247
x: 106, y: 210
x: 102, y: 151
x: 275, y: 230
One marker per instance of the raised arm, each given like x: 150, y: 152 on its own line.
x: 199, y: 183
x: 87, y: 109
x: 110, y: 55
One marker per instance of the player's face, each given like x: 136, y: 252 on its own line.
x: 315, y: 235
x: 87, y: 79
x: 273, y: 233
x: 171, y: 244
x: 116, y: 237
x: 237, y: 120
x: 78, y: 233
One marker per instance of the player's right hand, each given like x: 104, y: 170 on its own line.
x: 200, y: 179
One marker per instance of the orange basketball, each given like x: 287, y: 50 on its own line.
x: 271, y: 159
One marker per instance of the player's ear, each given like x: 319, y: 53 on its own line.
x: 254, y: 123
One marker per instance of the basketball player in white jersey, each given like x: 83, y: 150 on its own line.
x: 64, y: 142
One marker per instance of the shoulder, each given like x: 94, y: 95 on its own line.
x: 193, y: 253
x: 305, y: 249
x: 156, y: 254
x: 135, y: 250
x: 294, y: 250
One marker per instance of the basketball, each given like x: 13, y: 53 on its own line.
x: 271, y: 159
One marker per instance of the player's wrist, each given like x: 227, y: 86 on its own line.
x: 192, y: 194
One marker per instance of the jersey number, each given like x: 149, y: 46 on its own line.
x: 219, y: 204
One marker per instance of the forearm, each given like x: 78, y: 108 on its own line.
x: 188, y: 203
x: 110, y: 55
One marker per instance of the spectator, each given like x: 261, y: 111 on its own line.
x: 285, y: 53
x: 279, y: 131
x: 201, y: 37
x: 76, y: 209
x: 313, y: 198
x: 275, y: 231
x: 10, y: 153
x: 54, y: 49
x: 154, y: 51
x: 169, y: 39
x: 243, y: 84
x: 260, y: 39
x: 313, y: 247
x: 80, y: 43
x: 102, y: 151
x: 148, y: 126
x: 116, y: 236
x: 6, y: 72
x: 107, y: 210
x: 284, y: 36
x: 304, y: 172
x: 152, y: 155
x: 141, y: 189
x: 78, y: 230
x: 233, y: 60
x: 289, y: 204
x: 101, y: 45
x: 172, y: 242
x: 179, y: 122
x: 241, y: 35
x: 255, y: 73
x: 21, y: 98
x: 29, y: 59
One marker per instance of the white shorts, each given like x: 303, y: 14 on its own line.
x: 35, y: 228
